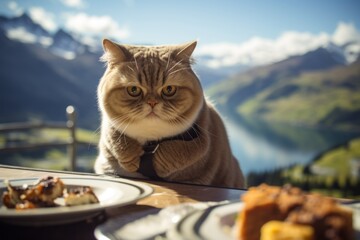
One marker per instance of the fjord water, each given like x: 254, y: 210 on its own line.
x: 261, y: 146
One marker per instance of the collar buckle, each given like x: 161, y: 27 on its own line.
x: 151, y: 148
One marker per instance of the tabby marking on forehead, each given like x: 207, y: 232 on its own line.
x: 150, y: 70
x: 150, y: 114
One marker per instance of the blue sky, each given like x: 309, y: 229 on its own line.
x: 210, y: 21
x: 222, y: 27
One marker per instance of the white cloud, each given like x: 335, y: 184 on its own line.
x: 345, y: 33
x: 104, y: 26
x: 258, y: 51
x: 15, y: 8
x: 42, y: 17
x: 74, y: 3
x: 20, y: 34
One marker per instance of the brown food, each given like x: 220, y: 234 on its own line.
x: 266, y: 203
x: 43, y: 194
x: 79, y: 196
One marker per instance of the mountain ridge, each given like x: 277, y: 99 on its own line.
x: 314, y: 89
x: 35, y: 84
x: 38, y: 80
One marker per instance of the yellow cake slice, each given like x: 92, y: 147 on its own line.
x: 263, y: 204
x: 276, y: 230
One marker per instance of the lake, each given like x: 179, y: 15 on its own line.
x: 260, y: 146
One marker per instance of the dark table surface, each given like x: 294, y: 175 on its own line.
x: 164, y: 194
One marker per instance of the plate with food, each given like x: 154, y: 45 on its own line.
x: 273, y: 213
x: 54, y: 200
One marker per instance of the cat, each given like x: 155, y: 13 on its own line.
x: 156, y: 121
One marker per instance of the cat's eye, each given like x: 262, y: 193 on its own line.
x: 169, y: 90
x: 133, y: 91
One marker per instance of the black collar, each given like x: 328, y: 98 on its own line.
x: 146, y: 166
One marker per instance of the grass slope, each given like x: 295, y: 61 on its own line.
x: 328, y: 98
x: 50, y: 158
x: 335, y: 173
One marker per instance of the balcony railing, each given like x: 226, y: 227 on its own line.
x: 71, y: 144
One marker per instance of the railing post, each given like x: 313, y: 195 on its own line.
x: 71, y: 124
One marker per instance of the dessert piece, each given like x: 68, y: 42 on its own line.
x: 329, y: 219
x: 263, y: 204
x: 276, y: 230
x: 79, y: 196
x: 288, y: 204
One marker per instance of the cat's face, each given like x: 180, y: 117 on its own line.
x: 149, y: 93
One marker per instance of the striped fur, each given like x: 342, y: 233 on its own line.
x: 130, y: 119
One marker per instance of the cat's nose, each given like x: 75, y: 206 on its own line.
x: 152, y: 102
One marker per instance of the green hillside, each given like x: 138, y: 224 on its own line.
x: 281, y: 92
x: 335, y: 173
x: 330, y: 98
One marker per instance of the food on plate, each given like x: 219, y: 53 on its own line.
x: 44, y: 193
x: 262, y: 204
x: 79, y: 196
x: 283, y: 230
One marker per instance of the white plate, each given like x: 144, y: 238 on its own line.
x: 217, y: 223
x: 110, y: 192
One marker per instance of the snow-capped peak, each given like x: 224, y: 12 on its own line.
x: 64, y: 45
x: 23, y: 29
x: 346, y: 54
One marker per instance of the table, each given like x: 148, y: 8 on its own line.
x: 165, y: 194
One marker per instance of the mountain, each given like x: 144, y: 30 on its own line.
x: 36, y: 84
x: 314, y: 89
x: 209, y: 76
x: 22, y: 28
x: 66, y: 46
x: 41, y: 73
x: 23, y: 21
x: 240, y: 87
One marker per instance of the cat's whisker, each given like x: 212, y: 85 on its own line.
x: 168, y: 61
x: 120, y: 121
x: 136, y: 64
x: 181, y: 69
x: 181, y: 120
x: 118, y: 124
x: 122, y: 134
x: 97, y: 131
x: 177, y: 63
x: 184, y: 122
x: 131, y: 68
x: 199, y: 127
x: 205, y: 130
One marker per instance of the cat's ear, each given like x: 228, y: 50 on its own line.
x: 184, y: 51
x: 113, y: 52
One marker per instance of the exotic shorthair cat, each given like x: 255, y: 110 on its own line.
x: 156, y: 122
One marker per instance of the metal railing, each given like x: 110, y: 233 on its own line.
x: 71, y: 143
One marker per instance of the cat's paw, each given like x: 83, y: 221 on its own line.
x: 131, y: 151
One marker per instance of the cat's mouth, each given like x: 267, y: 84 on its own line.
x: 152, y: 114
